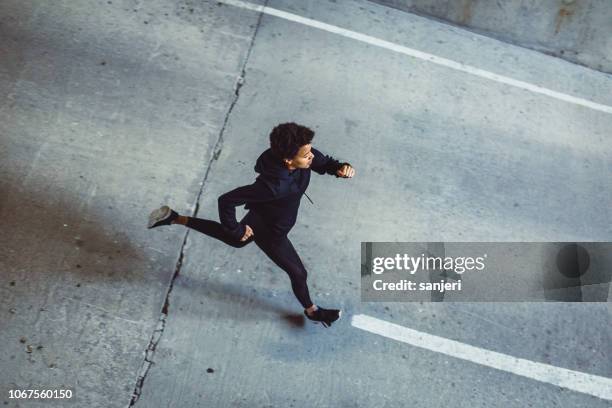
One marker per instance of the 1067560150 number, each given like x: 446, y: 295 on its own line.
x: 40, y: 394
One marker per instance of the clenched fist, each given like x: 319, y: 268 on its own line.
x: 346, y: 171
x: 247, y: 234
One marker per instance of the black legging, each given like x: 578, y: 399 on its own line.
x: 278, y: 248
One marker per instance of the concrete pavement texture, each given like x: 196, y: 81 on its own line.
x: 578, y: 31
x: 113, y: 108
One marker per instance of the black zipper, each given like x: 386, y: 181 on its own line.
x: 311, y: 202
x: 293, y: 181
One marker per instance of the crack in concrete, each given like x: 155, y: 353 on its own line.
x: 161, y: 325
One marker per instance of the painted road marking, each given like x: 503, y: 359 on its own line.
x: 600, y: 387
x: 419, y: 54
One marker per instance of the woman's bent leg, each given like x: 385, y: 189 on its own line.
x: 214, y: 229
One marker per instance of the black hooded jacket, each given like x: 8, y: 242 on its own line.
x: 275, y: 195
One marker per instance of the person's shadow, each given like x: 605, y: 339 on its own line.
x: 243, y: 302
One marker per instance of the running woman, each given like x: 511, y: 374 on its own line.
x: 273, y: 201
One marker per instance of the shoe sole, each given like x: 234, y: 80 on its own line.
x: 327, y: 325
x: 158, y: 215
x: 339, y: 316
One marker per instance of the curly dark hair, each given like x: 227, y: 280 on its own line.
x: 287, y: 138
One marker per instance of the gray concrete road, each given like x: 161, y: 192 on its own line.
x: 112, y: 108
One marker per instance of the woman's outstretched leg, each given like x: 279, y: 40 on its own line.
x: 282, y: 253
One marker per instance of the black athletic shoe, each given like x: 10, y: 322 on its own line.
x: 325, y: 316
x: 162, y: 216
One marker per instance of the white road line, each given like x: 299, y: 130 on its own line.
x: 600, y: 387
x: 419, y: 54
